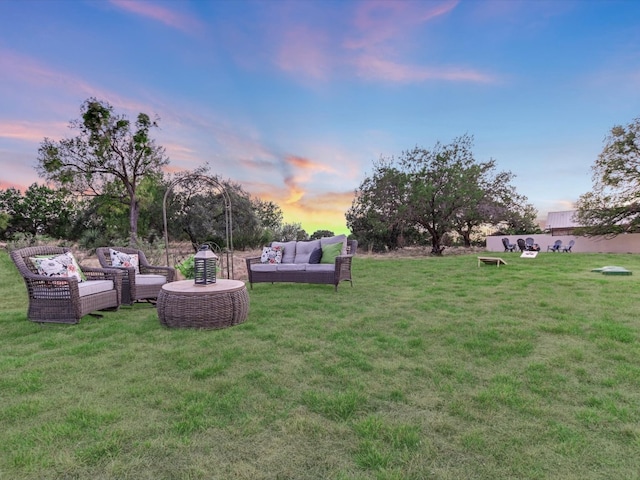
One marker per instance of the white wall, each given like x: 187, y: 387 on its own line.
x: 626, y: 243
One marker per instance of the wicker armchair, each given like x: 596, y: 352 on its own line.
x: 64, y: 299
x: 136, y: 286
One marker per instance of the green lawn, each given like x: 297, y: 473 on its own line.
x: 428, y: 368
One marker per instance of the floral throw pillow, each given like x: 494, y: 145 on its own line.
x: 63, y: 265
x: 121, y: 259
x: 271, y: 255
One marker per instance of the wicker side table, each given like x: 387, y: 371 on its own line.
x: 221, y: 304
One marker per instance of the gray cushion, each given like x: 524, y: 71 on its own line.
x: 150, y: 279
x: 263, y: 267
x: 292, y: 267
x: 321, y: 267
x: 289, y: 249
x: 304, y: 249
x: 94, y: 286
x: 336, y: 239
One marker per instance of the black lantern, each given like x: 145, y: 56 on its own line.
x: 204, y: 266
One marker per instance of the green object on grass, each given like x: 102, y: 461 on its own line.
x: 612, y: 270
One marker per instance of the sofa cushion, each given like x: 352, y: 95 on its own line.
x: 321, y: 267
x: 263, y: 267
x: 94, y: 286
x: 330, y: 252
x: 271, y: 254
x: 342, y: 239
x: 304, y: 249
x: 291, y: 267
x: 315, y: 256
x: 288, y: 251
x: 150, y: 279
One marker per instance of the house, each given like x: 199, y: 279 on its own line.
x: 561, y: 223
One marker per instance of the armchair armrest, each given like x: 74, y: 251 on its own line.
x: 168, y: 272
x: 42, y: 286
x: 250, y: 261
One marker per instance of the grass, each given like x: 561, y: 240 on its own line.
x: 428, y: 368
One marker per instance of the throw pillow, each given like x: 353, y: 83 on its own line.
x: 330, y: 252
x: 121, y: 259
x: 315, y: 256
x: 271, y: 255
x: 288, y: 251
x: 63, y: 265
x: 342, y: 239
x: 304, y: 249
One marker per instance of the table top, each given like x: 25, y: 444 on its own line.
x: 222, y: 285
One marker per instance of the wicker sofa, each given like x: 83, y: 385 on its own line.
x: 65, y: 299
x: 297, y: 264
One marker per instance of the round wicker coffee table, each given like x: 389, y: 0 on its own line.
x: 218, y: 305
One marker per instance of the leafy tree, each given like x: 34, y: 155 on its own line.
x: 269, y: 214
x: 197, y: 212
x: 613, y: 206
x: 434, y: 192
x: 291, y: 231
x: 41, y: 210
x: 377, y: 216
x: 321, y: 234
x: 109, y: 150
x: 494, y: 201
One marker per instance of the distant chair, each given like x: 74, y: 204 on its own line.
x: 521, y: 245
x: 555, y: 247
x: 567, y: 247
x: 529, y: 243
x: 142, y: 280
x: 508, y: 247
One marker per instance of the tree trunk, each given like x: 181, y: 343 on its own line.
x: 134, y: 213
x: 436, y: 248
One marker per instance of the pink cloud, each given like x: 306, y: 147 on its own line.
x: 305, y: 50
x: 377, y: 47
x: 383, y: 20
x: 24, y: 71
x: 31, y: 132
x: 378, y: 68
x: 171, y: 18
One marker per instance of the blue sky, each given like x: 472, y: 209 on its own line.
x: 296, y: 99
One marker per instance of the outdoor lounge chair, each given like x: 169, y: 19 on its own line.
x: 508, y: 247
x: 568, y: 246
x: 555, y: 247
x: 529, y: 243
x: 142, y: 281
x: 59, y: 290
x: 521, y: 245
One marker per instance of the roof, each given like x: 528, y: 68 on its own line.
x: 561, y: 220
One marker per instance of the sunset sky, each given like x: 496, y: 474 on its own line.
x: 296, y: 99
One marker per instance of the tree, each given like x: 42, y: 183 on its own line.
x: 321, y: 234
x: 613, y: 206
x: 495, y: 202
x: 107, y: 149
x: 197, y: 211
x: 41, y: 210
x: 434, y: 192
x: 377, y: 216
x: 269, y: 213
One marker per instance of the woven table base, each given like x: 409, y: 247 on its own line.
x: 219, y: 305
